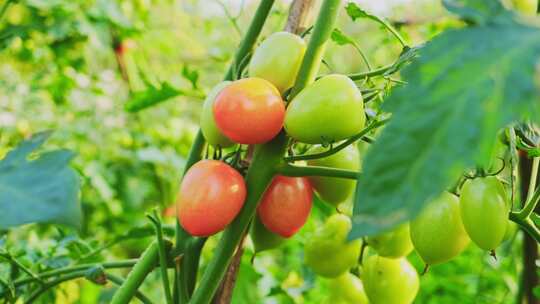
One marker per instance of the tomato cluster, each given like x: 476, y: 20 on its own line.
x: 252, y: 111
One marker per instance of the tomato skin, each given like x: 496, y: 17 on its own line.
x: 330, y: 189
x: 278, y: 59
x: 329, y: 110
x: 286, y: 204
x: 211, y: 195
x: 390, y: 281
x: 437, y: 233
x: 347, y: 288
x: 327, y: 252
x: 249, y: 111
x: 392, y: 244
x: 208, y: 124
x: 262, y: 238
x: 484, y: 211
x: 527, y: 7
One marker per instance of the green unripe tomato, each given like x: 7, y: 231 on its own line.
x: 484, y: 211
x: 208, y: 124
x: 392, y: 244
x: 262, y: 238
x: 437, y: 233
x: 329, y: 110
x: 327, y: 252
x: 277, y: 59
x: 330, y: 189
x: 527, y: 7
x: 347, y: 288
x: 511, y: 230
x: 390, y: 281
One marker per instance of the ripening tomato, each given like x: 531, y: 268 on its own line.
x: 331, y: 189
x: 527, y: 7
x: 208, y: 124
x: 329, y: 110
x: 277, y: 59
x: 392, y: 244
x: 327, y: 252
x: 390, y: 281
x: 347, y: 288
x: 249, y: 111
x: 286, y: 204
x: 437, y: 233
x: 211, y: 195
x: 484, y: 211
x: 262, y: 238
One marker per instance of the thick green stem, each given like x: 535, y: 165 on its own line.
x: 533, y: 194
x: 339, y: 147
x: 265, y: 159
x: 119, y: 281
x: 144, y: 266
x: 162, y: 257
x: 292, y: 170
x: 321, y: 32
x: 527, y: 225
x: 189, y: 266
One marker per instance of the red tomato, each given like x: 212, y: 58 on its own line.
x: 211, y: 195
x: 249, y: 111
x: 286, y: 204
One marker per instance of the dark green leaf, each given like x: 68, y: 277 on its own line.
x: 340, y: 38
x: 43, y: 189
x: 475, y: 11
x: 464, y: 87
x: 152, y: 96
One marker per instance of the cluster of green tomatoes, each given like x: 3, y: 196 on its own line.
x: 253, y: 111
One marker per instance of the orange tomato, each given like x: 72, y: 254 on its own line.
x: 286, y: 204
x: 211, y: 195
x: 249, y: 111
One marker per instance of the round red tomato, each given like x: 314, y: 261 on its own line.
x: 249, y: 111
x: 211, y: 195
x: 286, y: 204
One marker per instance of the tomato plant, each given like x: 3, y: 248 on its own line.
x: 443, y: 110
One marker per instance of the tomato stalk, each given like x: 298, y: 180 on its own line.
x: 162, y: 256
x: 144, y: 266
x: 266, y: 159
x: 119, y: 281
x: 339, y: 147
x: 299, y: 171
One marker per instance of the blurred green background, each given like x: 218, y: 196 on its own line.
x: 72, y: 65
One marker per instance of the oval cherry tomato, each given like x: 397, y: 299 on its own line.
x: 211, y: 195
x: 208, y: 124
x: 249, y: 111
x: 484, y: 211
x: 262, y: 238
x: 330, y: 189
x: 390, y: 281
x: 327, y: 252
x: 437, y: 233
x: 329, y: 110
x: 392, y: 244
x: 278, y: 59
x: 285, y: 205
x: 347, y: 288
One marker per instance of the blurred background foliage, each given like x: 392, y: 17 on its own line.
x: 72, y: 65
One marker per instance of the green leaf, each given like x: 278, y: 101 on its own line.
x: 152, y: 96
x: 340, y: 38
x: 191, y: 75
x: 465, y: 86
x: 475, y: 11
x: 41, y: 189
